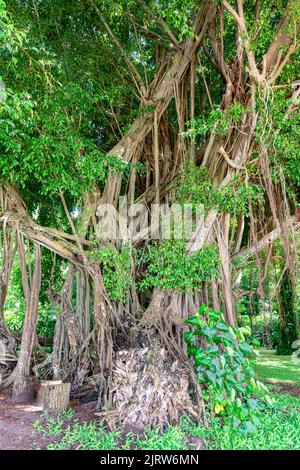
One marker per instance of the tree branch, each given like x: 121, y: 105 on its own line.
x: 132, y: 68
x: 161, y: 22
x: 266, y: 240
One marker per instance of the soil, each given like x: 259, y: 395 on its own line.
x: 16, y: 423
x: 284, y: 388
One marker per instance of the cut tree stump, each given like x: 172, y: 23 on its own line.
x: 53, y: 396
x: 24, y: 390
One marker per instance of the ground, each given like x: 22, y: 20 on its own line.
x: 17, y: 421
x: 23, y: 426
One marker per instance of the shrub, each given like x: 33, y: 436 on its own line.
x: 288, y: 323
x: 260, y: 333
x: 224, y: 367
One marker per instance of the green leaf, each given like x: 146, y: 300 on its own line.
x: 211, y: 377
x: 192, y: 350
x: 194, y: 321
x: 189, y: 337
x: 222, y: 326
x: 245, y: 348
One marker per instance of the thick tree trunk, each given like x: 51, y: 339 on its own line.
x: 223, y: 244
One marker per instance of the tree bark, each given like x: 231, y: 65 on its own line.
x: 22, y: 370
x: 8, y: 254
x: 53, y: 396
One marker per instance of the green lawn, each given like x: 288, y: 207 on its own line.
x: 273, y: 369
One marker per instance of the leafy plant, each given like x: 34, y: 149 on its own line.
x: 196, y: 188
x: 87, y: 436
x: 115, y: 267
x: 288, y: 322
x: 169, y: 267
x: 224, y: 367
x: 217, y: 121
x: 278, y: 430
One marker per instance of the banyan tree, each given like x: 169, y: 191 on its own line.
x: 114, y: 113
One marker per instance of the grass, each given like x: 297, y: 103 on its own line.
x: 279, y: 430
x: 274, y: 369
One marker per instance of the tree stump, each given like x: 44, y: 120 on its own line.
x: 24, y: 389
x: 53, y: 396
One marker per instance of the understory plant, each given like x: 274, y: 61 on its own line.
x: 224, y: 367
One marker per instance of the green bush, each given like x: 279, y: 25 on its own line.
x: 169, y: 266
x: 288, y: 323
x: 224, y: 367
x: 260, y: 332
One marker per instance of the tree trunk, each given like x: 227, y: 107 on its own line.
x: 22, y: 371
x: 8, y: 254
x: 161, y: 91
x: 223, y: 244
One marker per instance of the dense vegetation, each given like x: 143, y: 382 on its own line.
x: 177, y: 124
x: 278, y: 431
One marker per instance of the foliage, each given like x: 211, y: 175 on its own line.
x: 87, y: 436
x: 15, y: 314
x: 260, y: 333
x: 74, y: 84
x: 168, y: 266
x: 278, y: 132
x: 196, y: 188
x: 278, y: 431
x: 217, y: 121
x: 15, y: 306
x: 288, y: 322
x: 173, y: 438
x: 116, y: 270
x: 53, y: 426
x: 47, y: 141
x: 223, y: 365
